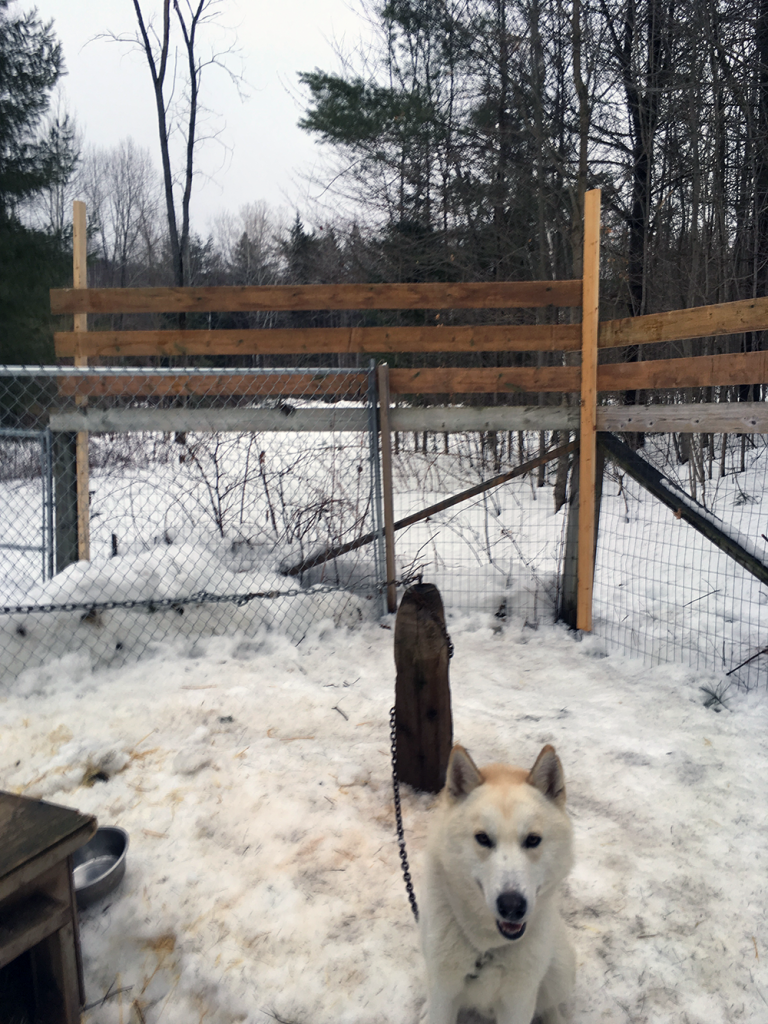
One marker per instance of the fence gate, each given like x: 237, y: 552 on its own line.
x: 26, y: 510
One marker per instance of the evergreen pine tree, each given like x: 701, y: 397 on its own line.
x: 31, y: 161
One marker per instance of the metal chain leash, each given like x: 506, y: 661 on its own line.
x: 159, y: 603
x: 399, y: 817
x: 396, y: 792
x: 155, y: 603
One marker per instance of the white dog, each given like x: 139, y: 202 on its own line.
x: 499, y: 844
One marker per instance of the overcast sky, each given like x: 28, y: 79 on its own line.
x: 262, y: 155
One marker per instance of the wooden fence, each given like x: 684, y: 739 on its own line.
x: 586, y: 338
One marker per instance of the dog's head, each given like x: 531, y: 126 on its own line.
x: 512, y: 831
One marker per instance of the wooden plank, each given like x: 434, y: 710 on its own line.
x: 58, y: 999
x: 656, y: 484
x: 29, y: 827
x: 699, y: 417
x: 676, y: 325
x: 25, y: 924
x: 80, y: 281
x: 472, y: 295
x: 440, y: 419
x: 696, y: 371
x: 279, y: 384
x: 454, y: 419
x: 316, y: 340
x: 691, y: 372
x: 382, y: 372
x: 281, y: 420
x: 423, y: 720
x: 587, y: 437
x: 428, y: 381
x: 508, y: 380
x: 36, y: 837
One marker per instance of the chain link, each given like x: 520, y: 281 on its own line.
x: 157, y: 603
x: 399, y: 817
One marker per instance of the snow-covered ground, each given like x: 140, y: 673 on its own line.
x: 263, y: 880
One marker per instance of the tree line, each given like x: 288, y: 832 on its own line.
x: 460, y: 145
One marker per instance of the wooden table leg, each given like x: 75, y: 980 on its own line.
x: 56, y: 970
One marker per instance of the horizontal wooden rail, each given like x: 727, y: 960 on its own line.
x: 321, y: 340
x: 697, y: 371
x: 698, y: 322
x: 460, y: 381
x: 698, y: 417
x: 693, y: 372
x: 284, y: 419
x: 406, y: 382
x: 253, y: 298
x: 691, y: 417
x: 347, y: 385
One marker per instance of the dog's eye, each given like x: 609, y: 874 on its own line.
x: 483, y: 839
x: 531, y: 841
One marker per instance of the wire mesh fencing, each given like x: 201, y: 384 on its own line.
x: 206, y: 492
x: 233, y: 502
x: 500, y: 552
x: 665, y: 592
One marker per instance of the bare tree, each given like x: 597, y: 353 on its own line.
x: 249, y: 243
x: 124, y: 196
x: 177, y: 72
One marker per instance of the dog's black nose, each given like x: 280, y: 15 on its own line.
x: 512, y: 906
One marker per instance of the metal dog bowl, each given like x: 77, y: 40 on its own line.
x: 98, y: 867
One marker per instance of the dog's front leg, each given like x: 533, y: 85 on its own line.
x: 518, y: 1010
x: 443, y: 1003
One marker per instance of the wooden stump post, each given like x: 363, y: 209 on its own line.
x: 423, y: 721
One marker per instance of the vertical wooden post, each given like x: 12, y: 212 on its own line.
x: 386, y: 485
x: 588, y: 436
x: 423, y: 720
x: 80, y: 280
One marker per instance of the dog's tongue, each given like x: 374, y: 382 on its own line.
x: 507, y: 928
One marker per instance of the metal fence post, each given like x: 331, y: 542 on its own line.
x: 386, y: 473
x: 64, y: 450
x: 46, y: 474
x: 376, y: 503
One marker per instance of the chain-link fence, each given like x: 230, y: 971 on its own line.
x: 207, y: 490
x: 212, y: 492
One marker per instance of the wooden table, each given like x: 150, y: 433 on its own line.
x: 38, y: 912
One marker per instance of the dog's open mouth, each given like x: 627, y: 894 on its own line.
x: 510, y: 930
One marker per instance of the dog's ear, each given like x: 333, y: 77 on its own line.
x: 547, y: 776
x: 462, y: 775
